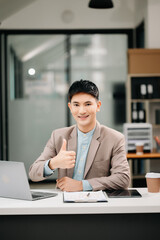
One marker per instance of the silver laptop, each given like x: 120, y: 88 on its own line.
x: 14, y: 182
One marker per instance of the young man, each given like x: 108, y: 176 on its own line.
x: 89, y: 156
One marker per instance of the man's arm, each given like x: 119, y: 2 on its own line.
x: 64, y: 159
x: 119, y: 171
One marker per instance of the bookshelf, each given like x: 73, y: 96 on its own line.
x: 143, y: 103
x: 150, y: 106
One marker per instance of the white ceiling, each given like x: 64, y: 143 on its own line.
x: 9, y: 7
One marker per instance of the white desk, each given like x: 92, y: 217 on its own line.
x: 149, y: 203
x: 51, y: 217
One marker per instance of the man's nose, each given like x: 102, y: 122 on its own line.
x: 82, y: 110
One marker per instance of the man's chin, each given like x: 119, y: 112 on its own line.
x: 83, y: 121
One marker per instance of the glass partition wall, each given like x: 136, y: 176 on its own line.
x: 103, y: 60
x: 40, y: 70
x: 37, y: 93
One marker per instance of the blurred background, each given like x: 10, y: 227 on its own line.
x: 47, y: 45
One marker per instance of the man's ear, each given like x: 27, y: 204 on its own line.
x: 69, y: 105
x: 99, y: 105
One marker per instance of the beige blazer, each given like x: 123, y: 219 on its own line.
x: 106, y: 163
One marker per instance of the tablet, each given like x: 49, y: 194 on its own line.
x: 123, y: 193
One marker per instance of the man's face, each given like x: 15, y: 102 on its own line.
x: 84, y: 107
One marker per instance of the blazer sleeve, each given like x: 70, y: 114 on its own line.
x: 119, y: 177
x: 36, y: 171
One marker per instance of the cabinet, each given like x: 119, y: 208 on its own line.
x: 145, y: 61
x: 143, y: 100
x: 149, y: 103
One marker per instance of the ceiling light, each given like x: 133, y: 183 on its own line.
x: 100, y: 4
x: 31, y: 71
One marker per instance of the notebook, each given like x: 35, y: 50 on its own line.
x: 82, y: 197
x: 14, y: 182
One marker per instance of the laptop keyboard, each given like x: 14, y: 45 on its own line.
x: 42, y: 194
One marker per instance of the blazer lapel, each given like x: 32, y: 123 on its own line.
x: 93, y: 149
x: 72, y: 146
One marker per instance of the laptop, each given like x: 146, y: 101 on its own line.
x: 14, y: 183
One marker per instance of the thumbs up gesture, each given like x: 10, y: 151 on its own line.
x: 64, y: 145
x: 64, y: 159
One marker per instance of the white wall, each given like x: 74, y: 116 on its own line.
x: 49, y: 14
x: 140, y: 11
x: 153, y: 24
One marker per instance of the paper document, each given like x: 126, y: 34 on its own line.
x: 98, y: 196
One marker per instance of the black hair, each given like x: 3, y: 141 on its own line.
x: 84, y: 86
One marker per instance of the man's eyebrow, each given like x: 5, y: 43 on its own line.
x: 75, y: 102
x: 84, y: 102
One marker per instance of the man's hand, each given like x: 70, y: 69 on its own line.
x: 69, y: 185
x: 64, y: 159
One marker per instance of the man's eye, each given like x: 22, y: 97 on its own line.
x: 76, y: 105
x: 88, y: 104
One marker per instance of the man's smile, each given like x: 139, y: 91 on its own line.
x: 83, y: 117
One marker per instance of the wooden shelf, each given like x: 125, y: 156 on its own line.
x: 145, y: 155
x: 153, y: 100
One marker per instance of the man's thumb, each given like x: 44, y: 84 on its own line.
x: 64, y: 144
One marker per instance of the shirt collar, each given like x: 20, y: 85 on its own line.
x: 88, y: 134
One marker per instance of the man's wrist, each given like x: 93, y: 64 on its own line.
x: 52, y: 163
x: 47, y: 170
